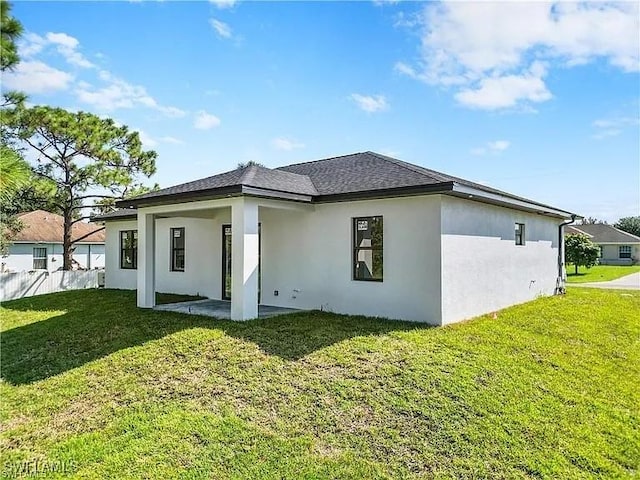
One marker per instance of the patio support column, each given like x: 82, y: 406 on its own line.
x: 146, y: 260
x: 244, y: 259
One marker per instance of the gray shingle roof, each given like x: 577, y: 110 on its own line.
x: 363, y: 172
x: 348, y: 176
x: 251, y: 176
x: 601, y: 233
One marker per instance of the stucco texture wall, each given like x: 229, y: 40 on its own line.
x: 202, y: 273
x: 483, y: 270
x: 307, y: 257
x: 445, y: 259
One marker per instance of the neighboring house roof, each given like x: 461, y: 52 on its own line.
x: 45, y: 227
x: 348, y: 177
x: 602, y: 233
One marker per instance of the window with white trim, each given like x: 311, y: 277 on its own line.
x: 624, y: 251
x: 39, y: 258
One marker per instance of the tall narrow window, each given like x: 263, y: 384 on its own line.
x: 177, y: 249
x: 39, y: 258
x: 129, y: 249
x: 519, y: 233
x: 624, y: 251
x: 367, y: 248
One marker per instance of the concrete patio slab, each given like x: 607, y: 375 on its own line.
x: 219, y: 309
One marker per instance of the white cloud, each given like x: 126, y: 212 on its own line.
x: 171, y: 140
x: 408, y: 70
x: 223, y: 3
x: 498, y: 145
x: 31, y: 44
x: 506, y: 91
x: 66, y: 45
x: 479, y: 47
x: 370, y: 103
x: 616, y: 122
x: 37, y: 77
x: 286, y: 144
x: 221, y: 28
x: 63, y: 40
x: 118, y: 93
x: 146, y: 140
x: 613, y: 126
x: 151, y: 142
x: 205, y: 121
x: 172, y: 112
x: 495, y: 147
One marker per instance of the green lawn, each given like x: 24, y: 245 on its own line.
x: 549, y: 389
x: 599, y: 273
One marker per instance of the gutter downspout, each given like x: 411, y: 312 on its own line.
x: 560, y: 282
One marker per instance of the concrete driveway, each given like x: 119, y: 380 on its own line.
x: 628, y: 282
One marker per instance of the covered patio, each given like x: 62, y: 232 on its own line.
x: 243, y: 219
x: 219, y: 309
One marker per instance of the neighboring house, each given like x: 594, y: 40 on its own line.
x: 616, y: 247
x: 38, y: 246
x: 357, y: 234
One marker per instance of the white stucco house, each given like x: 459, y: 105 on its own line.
x: 616, y: 247
x: 38, y: 245
x: 357, y: 234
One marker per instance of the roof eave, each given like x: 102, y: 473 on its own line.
x: 476, y: 194
x: 101, y: 218
x: 183, y: 197
x: 211, y: 194
x: 386, y: 193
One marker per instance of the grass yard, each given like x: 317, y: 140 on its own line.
x: 599, y: 273
x: 95, y: 386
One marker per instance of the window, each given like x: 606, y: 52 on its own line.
x: 367, y: 248
x: 624, y: 251
x: 519, y: 233
x: 601, y: 253
x: 129, y: 249
x: 39, y: 258
x: 177, y: 249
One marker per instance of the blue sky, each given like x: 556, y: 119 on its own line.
x: 538, y: 99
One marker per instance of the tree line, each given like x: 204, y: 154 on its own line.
x: 83, y: 163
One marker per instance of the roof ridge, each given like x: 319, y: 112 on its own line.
x: 575, y: 227
x: 413, y: 168
x: 319, y: 160
x: 249, y: 174
x: 622, y: 231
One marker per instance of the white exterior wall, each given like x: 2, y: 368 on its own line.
x: 307, y: 257
x: 203, y: 243
x: 445, y: 259
x: 20, y: 258
x: 483, y: 270
x: 115, y: 277
x: 202, y: 269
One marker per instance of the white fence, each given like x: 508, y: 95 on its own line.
x: 38, y: 282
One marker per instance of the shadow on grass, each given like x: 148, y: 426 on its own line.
x: 96, y: 323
